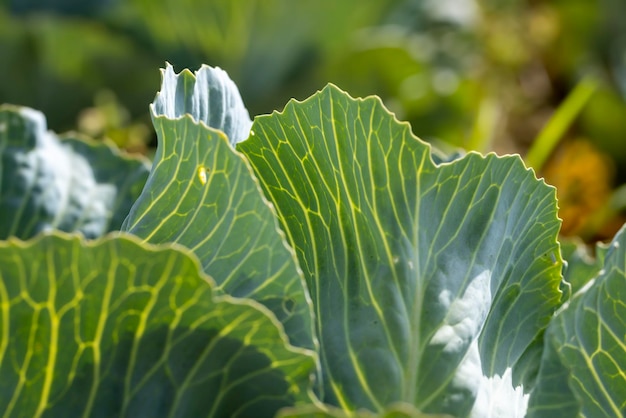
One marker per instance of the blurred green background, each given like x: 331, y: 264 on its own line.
x: 505, y: 76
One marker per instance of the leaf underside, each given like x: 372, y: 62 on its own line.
x: 208, y: 95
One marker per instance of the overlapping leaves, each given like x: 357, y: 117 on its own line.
x: 202, y: 194
x: 582, y: 371
x: 118, y: 328
x: 431, y: 282
x: 426, y: 280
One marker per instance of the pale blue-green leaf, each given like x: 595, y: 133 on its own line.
x: 426, y: 279
x: 202, y: 194
x: 118, y: 328
x: 208, y: 95
x: 582, y: 371
x: 68, y: 184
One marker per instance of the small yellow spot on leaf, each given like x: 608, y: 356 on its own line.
x: 203, y: 174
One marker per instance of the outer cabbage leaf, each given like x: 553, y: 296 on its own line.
x: 582, y: 370
x: 67, y: 184
x: 113, y: 327
x: 429, y: 282
x: 203, y: 195
x: 209, y: 95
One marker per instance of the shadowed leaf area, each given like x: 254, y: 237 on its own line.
x: 584, y: 358
x: 68, y: 183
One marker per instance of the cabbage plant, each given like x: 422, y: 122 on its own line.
x: 321, y: 261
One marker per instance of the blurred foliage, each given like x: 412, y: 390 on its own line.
x: 474, y: 74
x: 109, y: 118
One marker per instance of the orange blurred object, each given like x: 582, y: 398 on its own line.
x: 583, y: 177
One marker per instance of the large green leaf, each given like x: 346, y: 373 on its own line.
x: 429, y: 282
x: 68, y: 184
x: 202, y: 194
x: 117, y: 328
x: 582, y: 370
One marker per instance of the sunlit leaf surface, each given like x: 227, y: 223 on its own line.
x: 117, y: 328
x: 428, y: 281
x: 202, y: 194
